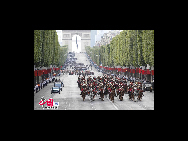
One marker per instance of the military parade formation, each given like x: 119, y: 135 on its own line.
x: 86, y: 83
x: 71, y: 74
x: 109, y: 87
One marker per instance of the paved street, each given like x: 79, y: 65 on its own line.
x: 70, y: 98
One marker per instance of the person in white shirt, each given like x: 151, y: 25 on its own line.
x: 134, y: 79
x: 41, y: 85
x: 36, y: 88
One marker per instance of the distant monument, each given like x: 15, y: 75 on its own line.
x: 76, y: 40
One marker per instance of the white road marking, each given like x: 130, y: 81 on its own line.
x: 113, y: 104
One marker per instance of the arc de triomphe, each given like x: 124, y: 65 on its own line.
x: 67, y: 36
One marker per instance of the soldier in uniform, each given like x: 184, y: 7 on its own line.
x: 84, y: 91
x: 101, y: 91
x: 112, y: 94
x: 130, y: 92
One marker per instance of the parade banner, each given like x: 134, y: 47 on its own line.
x: 137, y: 70
x: 118, y: 68
x: 148, y: 72
x: 133, y: 70
x: 152, y: 72
x: 45, y: 72
x: 142, y: 72
x: 145, y: 71
x: 124, y: 69
x: 48, y: 70
x: 35, y: 72
x: 40, y: 72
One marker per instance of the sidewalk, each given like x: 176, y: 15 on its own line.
x: 57, y: 77
x: 43, y: 88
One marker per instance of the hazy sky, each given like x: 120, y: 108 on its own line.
x: 97, y: 37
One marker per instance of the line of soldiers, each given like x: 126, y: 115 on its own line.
x: 106, y: 85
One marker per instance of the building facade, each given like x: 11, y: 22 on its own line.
x: 105, y: 38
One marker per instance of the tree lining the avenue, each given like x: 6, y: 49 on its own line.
x: 129, y: 48
x: 47, y: 50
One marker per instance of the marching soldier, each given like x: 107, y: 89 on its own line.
x: 101, y: 91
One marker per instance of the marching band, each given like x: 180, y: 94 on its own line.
x: 107, y: 85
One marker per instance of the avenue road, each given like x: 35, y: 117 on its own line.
x: 70, y: 98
